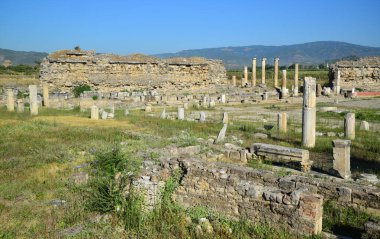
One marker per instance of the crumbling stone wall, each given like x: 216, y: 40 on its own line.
x: 363, y: 73
x: 65, y: 69
x: 293, y: 201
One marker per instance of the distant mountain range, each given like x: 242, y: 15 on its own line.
x: 311, y: 53
x: 21, y: 57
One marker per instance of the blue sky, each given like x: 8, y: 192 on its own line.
x: 153, y: 26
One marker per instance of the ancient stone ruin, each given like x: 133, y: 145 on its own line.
x: 363, y: 73
x: 65, y: 69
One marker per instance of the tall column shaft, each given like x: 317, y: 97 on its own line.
x: 234, y: 80
x: 45, y: 94
x: 263, y: 70
x: 33, y: 100
x: 309, y: 112
x: 283, y: 85
x: 295, y: 93
x: 253, y: 72
x: 337, y: 88
x: 276, y: 72
x: 282, y: 122
x: 245, y: 80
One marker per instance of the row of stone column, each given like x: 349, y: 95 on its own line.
x: 32, y: 100
x: 263, y: 63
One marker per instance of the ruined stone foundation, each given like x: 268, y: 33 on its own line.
x: 65, y: 69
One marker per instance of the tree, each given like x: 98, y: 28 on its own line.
x: 77, y: 48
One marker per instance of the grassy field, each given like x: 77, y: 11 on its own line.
x: 39, y: 154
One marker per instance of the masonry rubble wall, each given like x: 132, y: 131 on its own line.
x: 237, y: 192
x: 362, y: 73
x: 65, y: 69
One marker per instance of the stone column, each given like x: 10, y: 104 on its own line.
x: 202, y: 116
x: 349, y: 126
x: 20, y: 105
x: 309, y: 112
x: 245, y: 81
x: 283, y: 85
x: 94, y: 112
x: 253, y: 72
x: 276, y: 72
x: 163, y: 114
x: 45, y: 94
x: 282, y: 122
x: 319, y: 90
x: 341, y: 154
x: 33, y: 100
x: 336, y: 87
x: 263, y: 70
x: 181, y: 113
x: 10, y: 100
x: 265, y: 96
x: 234, y: 80
x: 295, y: 92
x: 225, y: 118
x: 223, y: 99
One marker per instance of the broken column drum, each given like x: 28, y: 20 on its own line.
x: 309, y: 112
x: 94, y: 112
x: 349, y: 126
x: 10, y: 100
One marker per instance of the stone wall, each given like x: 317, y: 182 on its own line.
x: 65, y: 69
x: 363, y: 73
x: 293, y: 202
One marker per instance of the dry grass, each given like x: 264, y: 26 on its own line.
x: 18, y: 80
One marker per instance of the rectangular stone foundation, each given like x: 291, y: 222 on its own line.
x: 233, y: 192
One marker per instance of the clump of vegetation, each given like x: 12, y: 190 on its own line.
x: 94, y: 97
x: 80, y: 89
x: 346, y: 221
x: 20, y: 70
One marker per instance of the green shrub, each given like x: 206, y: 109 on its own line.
x: 80, y: 89
x: 94, y: 97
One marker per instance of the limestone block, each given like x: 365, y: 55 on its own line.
x: 344, y: 194
x: 221, y: 134
x: 341, y: 154
x: 364, y: 125
x: 181, y: 114
x: 20, y: 106
x: 94, y: 112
